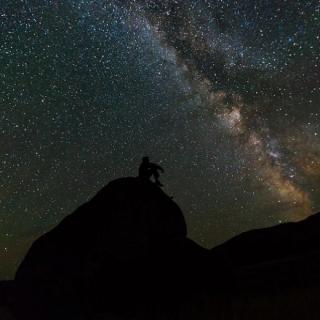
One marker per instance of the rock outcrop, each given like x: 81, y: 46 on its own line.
x: 125, y: 254
x: 126, y: 249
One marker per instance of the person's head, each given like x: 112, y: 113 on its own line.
x: 145, y: 159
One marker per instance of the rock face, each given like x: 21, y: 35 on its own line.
x: 125, y: 220
x: 125, y: 255
x: 126, y: 248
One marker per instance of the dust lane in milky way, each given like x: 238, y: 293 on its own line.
x: 216, y: 62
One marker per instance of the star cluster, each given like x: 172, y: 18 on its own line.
x: 224, y: 94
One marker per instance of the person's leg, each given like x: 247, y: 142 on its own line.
x: 156, y: 178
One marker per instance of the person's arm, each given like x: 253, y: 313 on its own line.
x: 160, y: 168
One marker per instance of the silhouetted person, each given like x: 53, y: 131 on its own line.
x: 148, y: 169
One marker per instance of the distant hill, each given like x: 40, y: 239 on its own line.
x: 269, y: 244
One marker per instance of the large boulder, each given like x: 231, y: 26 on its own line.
x: 125, y: 255
x: 126, y: 249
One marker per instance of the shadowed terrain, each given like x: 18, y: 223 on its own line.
x: 125, y: 254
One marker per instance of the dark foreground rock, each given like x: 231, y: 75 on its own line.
x: 125, y: 255
x: 126, y: 250
x: 7, y: 299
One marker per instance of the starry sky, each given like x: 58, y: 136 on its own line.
x: 225, y: 95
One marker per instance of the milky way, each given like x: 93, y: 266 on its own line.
x: 224, y: 94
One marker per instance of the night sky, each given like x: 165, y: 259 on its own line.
x: 225, y: 95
